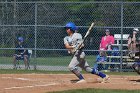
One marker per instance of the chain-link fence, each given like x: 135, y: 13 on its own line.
x: 41, y: 24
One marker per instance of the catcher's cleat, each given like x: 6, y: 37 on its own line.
x: 81, y: 81
x: 105, y: 79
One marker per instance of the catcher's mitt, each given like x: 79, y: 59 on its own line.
x: 136, y: 67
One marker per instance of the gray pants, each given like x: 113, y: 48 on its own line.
x: 79, y: 60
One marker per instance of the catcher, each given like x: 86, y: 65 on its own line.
x: 71, y: 43
x: 134, y: 48
x: 132, y: 41
x: 136, y: 65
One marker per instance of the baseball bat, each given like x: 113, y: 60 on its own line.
x: 86, y: 35
x: 88, y: 32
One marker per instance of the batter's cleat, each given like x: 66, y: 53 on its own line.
x: 81, y: 81
x: 105, y: 79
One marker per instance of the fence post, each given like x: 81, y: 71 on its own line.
x: 121, y: 59
x: 35, y: 62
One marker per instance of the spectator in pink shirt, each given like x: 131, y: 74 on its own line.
x: 106, y: 41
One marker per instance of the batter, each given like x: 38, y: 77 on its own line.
x: 71, y: 43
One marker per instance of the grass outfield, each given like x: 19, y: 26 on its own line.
x: 98, y: 91
x: 50, y: 61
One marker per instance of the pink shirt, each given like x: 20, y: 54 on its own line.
x: 105, y: 41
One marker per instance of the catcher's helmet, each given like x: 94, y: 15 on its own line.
x: 20, y: 39
x: 136, y: 29
x: 71, y: 25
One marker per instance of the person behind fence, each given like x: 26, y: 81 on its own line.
x: 132, y: 41
x: 136, y: 65
x: 20, y: 53
x: 134, y: 49
x: 106, y: 41
x: 71, y: 42
x: 100, y: 58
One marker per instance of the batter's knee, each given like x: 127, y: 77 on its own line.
x: 88, y: 69
x: 71, y: 68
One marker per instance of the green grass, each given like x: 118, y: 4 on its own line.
x: 13, y: 71
x: 61, y: 61
x: 98, y: 91
x: 20, y: 71
x: 50, y: 61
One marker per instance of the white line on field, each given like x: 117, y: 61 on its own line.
x: 24, y: 79
x: 47, y: 84
x: 136, y: 83
x: 117, y: 78
x: 18, y: 87
x: 51, y: 84
x: 44, y: 74
x: 6, y: 77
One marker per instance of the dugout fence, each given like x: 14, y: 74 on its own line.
x: 41, y: 24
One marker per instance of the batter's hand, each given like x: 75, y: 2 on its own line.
x: 74, y: 49
x: 81, y: 46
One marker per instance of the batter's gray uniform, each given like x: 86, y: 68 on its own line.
x: 78, y: 57
x: 72, y: 42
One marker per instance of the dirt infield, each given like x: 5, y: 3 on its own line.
x: 42, y: 83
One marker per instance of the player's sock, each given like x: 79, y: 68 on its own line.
x: 95, y: 71
x: 78, y: 74
x: 101, y: 74
x: 80, y: 77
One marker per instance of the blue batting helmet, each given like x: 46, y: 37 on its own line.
x: 71, y: 25
x: 20, y: 39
